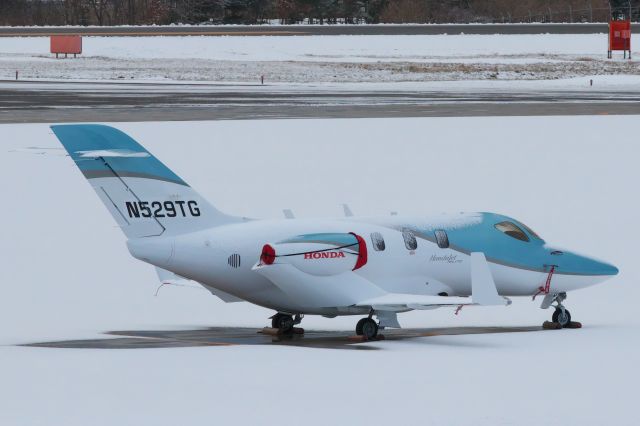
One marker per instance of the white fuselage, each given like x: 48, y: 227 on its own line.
x: 428, y: 270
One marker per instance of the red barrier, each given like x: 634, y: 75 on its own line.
x: 620, y: 37
x: 66, y: 44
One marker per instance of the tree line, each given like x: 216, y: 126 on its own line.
x: 163, y: 12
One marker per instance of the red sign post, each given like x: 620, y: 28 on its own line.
x: 619, y: 37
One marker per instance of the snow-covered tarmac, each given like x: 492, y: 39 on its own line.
x: 67, y: 275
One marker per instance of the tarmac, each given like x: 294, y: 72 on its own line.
x: 59, y: 102
x: 227, y: 336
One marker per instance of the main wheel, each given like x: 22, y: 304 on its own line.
x: 282, y: 322
x: 367, y: 327
x: 561, y: 317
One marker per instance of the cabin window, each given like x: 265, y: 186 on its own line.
x: 442, y: 239
x: 378, y: 241
x: 512, y: 230
x: 410, y: 241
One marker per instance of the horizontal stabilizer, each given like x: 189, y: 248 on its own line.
x: 168, y: 277
x: 222, y: 295
x: 122, y: 153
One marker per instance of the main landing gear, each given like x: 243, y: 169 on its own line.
x: 367, y: 328
x: 286, y: 323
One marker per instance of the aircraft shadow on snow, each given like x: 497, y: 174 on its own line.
x: 233, y: 336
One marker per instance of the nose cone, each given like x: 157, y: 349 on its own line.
x: 596, y: 267
x: 583, y: 265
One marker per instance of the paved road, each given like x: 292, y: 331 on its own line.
x: 226, y: 336
x: 81, y: 102
x: 259, y: 30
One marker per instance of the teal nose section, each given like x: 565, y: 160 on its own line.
x: 596, y: 267
x: 582, y: 265
x: 608, y: 269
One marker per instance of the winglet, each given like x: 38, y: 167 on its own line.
x: 347, y: 210
x: 483, y: 288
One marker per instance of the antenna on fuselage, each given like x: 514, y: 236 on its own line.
x: 288, y: 214
x: 347, y: 210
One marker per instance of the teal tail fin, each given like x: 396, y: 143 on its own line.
x: 143, y: 195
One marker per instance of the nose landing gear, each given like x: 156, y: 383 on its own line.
x: 561, y: 317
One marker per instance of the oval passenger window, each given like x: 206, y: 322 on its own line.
x: 410, y: 241
x: 442, y: 238
x: 378, y: 241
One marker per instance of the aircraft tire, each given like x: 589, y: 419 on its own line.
x: 369, y: 328
x: 283, y: 322
x: 359, y: 326
x: 561, y: 319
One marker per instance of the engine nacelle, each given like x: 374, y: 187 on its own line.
x: 318, y: 254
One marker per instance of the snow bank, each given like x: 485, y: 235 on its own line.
x: 356, y: 48
x: 319, y: 58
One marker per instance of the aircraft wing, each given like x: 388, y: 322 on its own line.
x: 400, y: 302
x: 351, y: 289
x: 483, y: 293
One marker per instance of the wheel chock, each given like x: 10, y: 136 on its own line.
x: 548, y: 325
x: 364, y: 339
x: 573, y: 324
x: 277, y: 332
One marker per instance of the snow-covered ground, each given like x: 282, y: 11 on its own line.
x: 67, y: 274
x: 308, y: 59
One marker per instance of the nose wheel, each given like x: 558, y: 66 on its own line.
x: 561, y: 316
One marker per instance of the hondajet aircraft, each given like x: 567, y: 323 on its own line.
x: 378, y: 266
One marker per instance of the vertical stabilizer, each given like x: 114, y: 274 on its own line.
x: 144, y: 196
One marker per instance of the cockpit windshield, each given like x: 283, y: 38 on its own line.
x: 512, y: 230
x: 530, y: 231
